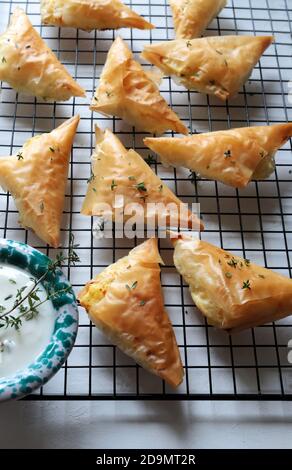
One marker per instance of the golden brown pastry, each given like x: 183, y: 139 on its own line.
x: 127, y: 91
x: 191, y: 17
x: 230, y: 291
x: 29, y: 65
x: 117, y: 172
x: 36, y: 178
x: 234, y: 156
x: 214, y: 65
x: 91, y: 14
x: 125, y: 301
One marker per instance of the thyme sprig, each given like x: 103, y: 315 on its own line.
x: 31, y: 310
x: 150, y: 160
x: 193, y: 177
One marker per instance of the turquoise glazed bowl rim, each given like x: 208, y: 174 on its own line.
x: 50, y: 360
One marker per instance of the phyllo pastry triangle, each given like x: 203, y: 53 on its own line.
x: 36, y: 178
x: 191, y: 17
x: 91, y: 14
x: 234, y: 157
x: 214, y: 65
x: 116, y: 173
x: 29, y: 65
x: 230, y: 291
x: 125, y: 301
x: 127, y: 91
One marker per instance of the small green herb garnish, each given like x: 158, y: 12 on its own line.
x: 113, y: 185
x: 142, y: 302
x: 12, y: 281
x: 192, y: 177
x: 228, y: 275
x: 52, y: 149
x: 160, y: 187
x: 133, y: 286
x: 28, y: 46
x: 91, y: 177
x: 101, y: 225
x: 19, y: 156
x: 247, y: 262
x: 31, y: 310
x: 108, y: 94
x: 232, y: 262
x: 42, y: 207
x: 189, y: 44
x: 141, y: 187
x: 261, y: 276
x: 150, y: 160
x: 131, y: 178
x: 3, y: 60
x: 227, y: 154
x: 246, y: 284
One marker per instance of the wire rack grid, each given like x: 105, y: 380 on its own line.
x: 255, y: 222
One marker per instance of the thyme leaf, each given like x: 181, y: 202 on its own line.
x: 232, y: 262
x: 91, y: 177
x: 113, y: 185
x: 246, y: 284
x: 141, y: 187
x: 19, y: 311
x: 150, y: 160
x: 133, y: 286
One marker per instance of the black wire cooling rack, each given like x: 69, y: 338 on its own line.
x: 255, y: 222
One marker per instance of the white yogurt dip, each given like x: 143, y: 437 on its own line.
x: 19, y: 348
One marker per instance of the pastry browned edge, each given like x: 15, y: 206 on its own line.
x: 118, y: 172
x: 126, y: 90
x: 191, y: 17
x: 233, y: 293
x: 37, y: 176
x: 30, y: 66
x: 217, y: 65
x: 125, y: 302
x: 233, y: 156
x: 91, y: 14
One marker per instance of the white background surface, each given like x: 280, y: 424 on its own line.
x: 146, y: 425
x: 157, y: 424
